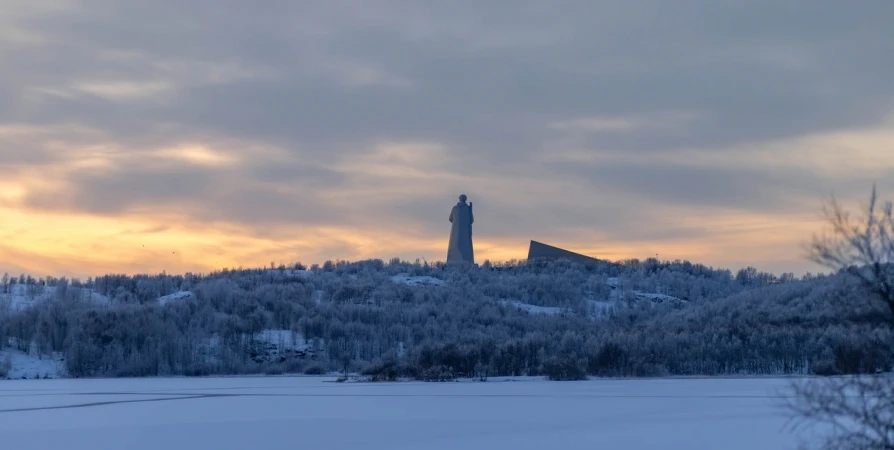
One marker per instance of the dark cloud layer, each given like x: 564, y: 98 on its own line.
x: 498, y: 85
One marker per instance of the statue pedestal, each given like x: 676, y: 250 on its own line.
x: 461, y: 265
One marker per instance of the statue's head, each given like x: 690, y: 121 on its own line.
x: 463, y: 198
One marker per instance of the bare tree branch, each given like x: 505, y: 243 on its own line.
x: 853, y: 413
x: 862, y: 246
x: 857, y: 412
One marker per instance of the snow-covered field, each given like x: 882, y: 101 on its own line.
x: 308, y: 412
x: 417, y: 280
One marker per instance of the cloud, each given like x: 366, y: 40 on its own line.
x: 124, y: 90
x: 347, y: 129
x: 669, y: 121
x: 199, y: 155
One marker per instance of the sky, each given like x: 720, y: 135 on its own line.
x: 191, y: 136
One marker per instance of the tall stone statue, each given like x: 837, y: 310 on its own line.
x: 460, y: 249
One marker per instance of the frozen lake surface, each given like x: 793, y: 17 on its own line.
x: 309, y: 412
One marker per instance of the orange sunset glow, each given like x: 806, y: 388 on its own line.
x: 336, y: 135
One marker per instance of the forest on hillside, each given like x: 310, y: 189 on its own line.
x: 397, y: 319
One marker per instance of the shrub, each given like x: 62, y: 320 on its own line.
x: 315, y: 370
x: 198, y: 370
x: 293, y: 366
x: 274, y: 369
x: 564, y: 369
x: 5, y: 366
x: 385, y: 371
x: 612, y: 360
x: 436, y: 373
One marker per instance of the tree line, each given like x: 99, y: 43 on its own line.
x: 353, y: 317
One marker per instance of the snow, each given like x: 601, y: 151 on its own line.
x: 615, y: 282
x: 533, y: 309
x: 598, y: 308
x: 99, y: 299
x: 31, y: 365
x: 282, y: 339
x: 417, y: 280
x: 601, y: 308
x: 177, y: 296
x: 273, y: 413
x: 615, y: 293
x: 293, y: 272
x: 268, y: 345
x: 656, y: 298
x: 22, y: 296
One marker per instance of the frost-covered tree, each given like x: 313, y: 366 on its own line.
x: 857, y: 412
x: 863, y: 247
x: 505, y: 318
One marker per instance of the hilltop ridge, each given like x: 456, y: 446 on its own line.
x: 390, y: 319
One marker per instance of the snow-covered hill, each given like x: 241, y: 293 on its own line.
x: 431, y: 321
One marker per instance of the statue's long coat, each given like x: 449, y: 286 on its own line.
x: 460, y: 249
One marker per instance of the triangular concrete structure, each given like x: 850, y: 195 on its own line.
x: 541, y: 251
